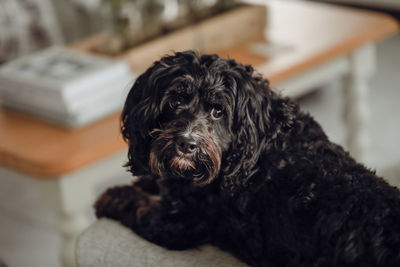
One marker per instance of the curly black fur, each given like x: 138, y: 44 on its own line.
x: 273, y: 190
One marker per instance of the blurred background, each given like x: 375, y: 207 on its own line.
x: 28, y: 229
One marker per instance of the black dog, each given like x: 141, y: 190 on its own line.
x: 225, y: 160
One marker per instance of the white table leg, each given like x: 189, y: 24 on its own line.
x: 72, y: 196
x: 355, y: 93
x: 70, y: 202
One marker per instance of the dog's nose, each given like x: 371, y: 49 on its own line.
x: 187, y: 145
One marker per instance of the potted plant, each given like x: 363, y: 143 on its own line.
x: 143, y: 30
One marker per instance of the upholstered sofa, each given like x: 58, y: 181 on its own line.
x: 106, y: 243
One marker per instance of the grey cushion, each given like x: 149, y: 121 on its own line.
x: 107, y: 243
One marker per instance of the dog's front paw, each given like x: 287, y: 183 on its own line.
x: 121, y: 203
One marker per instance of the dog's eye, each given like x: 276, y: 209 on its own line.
x: 217, y: 113
x: 174, y: 103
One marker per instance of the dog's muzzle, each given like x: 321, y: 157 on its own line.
x: 177, y: 152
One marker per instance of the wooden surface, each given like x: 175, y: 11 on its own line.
x: 309, y: 33
x: 41, y: 149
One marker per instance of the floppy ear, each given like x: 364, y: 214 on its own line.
x: 140, y: 115
x: 137, y: 117
x: 249, y: 124
x: 259, y: 116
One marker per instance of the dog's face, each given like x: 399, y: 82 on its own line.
x: 195, y: 117
x: 193, y: 131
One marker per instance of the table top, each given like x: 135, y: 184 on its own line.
x: 305, y: 34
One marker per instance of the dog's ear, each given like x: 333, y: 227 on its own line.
x: 259, y: 114
x: 138, y: 113
x: 141, y: 112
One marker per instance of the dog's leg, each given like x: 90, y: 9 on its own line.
x: 120, y: 203
x: 171, y: 227
x: 176, y: 223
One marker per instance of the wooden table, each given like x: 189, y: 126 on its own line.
x: 315, y: 43
x: 307, y: 44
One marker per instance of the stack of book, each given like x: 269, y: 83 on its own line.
x: 65, y: 86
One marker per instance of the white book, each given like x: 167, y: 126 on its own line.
x: 92, y: 99
x: 85, y: 117
x: 59, y: 74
